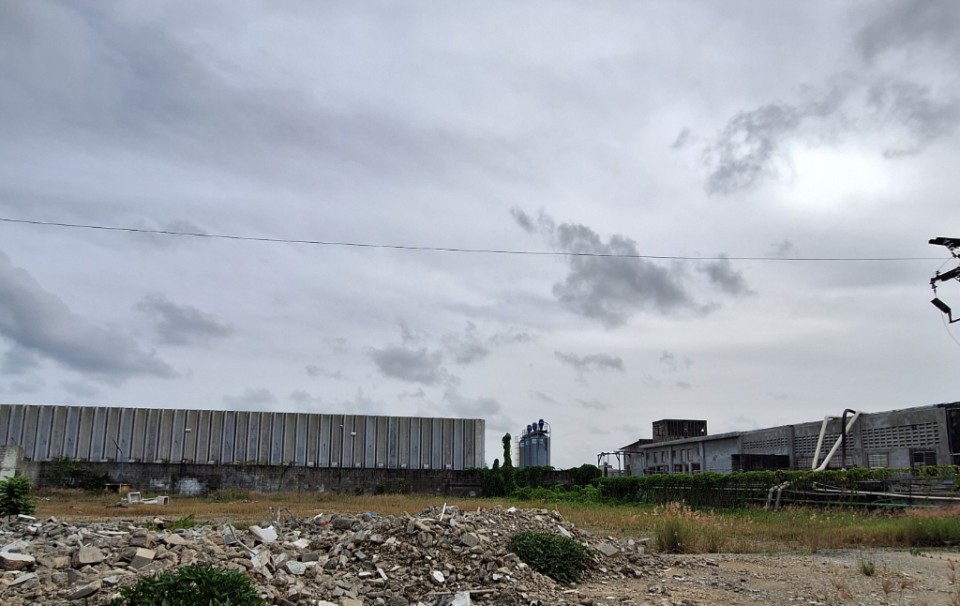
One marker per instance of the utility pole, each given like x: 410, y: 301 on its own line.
x: 953, y: 245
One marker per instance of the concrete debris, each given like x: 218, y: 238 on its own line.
x: 265, y: 535
x: 440, y: 557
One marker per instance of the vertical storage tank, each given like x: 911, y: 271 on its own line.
x: 535, y: 445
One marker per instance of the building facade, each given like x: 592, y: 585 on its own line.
x: 153, y: 435
x: 926, y: 435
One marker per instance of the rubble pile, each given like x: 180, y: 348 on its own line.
x: 442, y: 555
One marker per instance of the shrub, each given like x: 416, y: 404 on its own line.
x: 15, y: 496
x: 191, y: 586
x: 563, y: 560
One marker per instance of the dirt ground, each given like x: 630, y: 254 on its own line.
x: 928, y: 578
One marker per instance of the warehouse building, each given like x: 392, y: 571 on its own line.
x: 910, y: 437
x: 102, y: 434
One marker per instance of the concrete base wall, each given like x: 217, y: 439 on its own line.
x: 194, y: 479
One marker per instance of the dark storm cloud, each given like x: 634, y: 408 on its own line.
x: 415, y: 365
x: 604, y: 288
x: 39, y: 322
x: 253, y: 398
x: 722, y: 275
x: 17, y: 361
x: 590, y: 362
x: 182, y: 324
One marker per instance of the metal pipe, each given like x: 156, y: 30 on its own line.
x: 843, y: 437
x: 836, y: 445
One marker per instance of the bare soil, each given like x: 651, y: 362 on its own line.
x: 926, y: 578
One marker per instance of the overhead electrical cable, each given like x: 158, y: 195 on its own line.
x: 449, y: 249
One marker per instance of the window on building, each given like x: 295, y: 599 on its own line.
x: 876, y: 460
x: 921, y: 458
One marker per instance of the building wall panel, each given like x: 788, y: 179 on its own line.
x: 203, y: 436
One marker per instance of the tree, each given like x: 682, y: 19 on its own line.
x: 509, y: 475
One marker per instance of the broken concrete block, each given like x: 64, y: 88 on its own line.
x: 175, y: 539
x: 264, y: 535
x: 87, y: 556
x: 16, y: 561
x: 141, y: 557
x: 85, y: 591
x: 608, y: 549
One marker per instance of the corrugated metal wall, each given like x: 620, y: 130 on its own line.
x: 148, y: 435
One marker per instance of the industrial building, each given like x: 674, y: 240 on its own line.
x: 102, y: 434
x: 535, y: 445
x: 925, y: 435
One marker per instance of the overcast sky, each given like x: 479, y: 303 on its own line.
x: 707, y: 130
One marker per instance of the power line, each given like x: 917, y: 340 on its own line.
x: 449, y: 249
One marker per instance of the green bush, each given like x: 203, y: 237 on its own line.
x: 191, y: 586
x: 15, y: 496
x: 563, y: 560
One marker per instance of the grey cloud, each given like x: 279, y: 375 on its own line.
x: 523, y: 220
x: 590, y: 362
x: 542, y: 397
x: 414, y: 365
x: 419, y: 394
x: 253, y: 398
x: 80, y: 389
x: 912, y: 107
x: 722, y: 275
x: 304, y: 398
x: 511, y: 337
x: 593, y: 405
x: 17, y: 361
x: 684, y: 385
x: 336, y: 344
x: 612, y: 289
x: 668, y: 361
x: 320, y: 372
x: 29, y: 385
x: 748, y: 148
x: 608, y: 282
x: 182, y: 324
x: 897, y: 25
x: 783, y: 250
x: 39, y: 322
x: 486, y: 408
x: 682, y: 140
x: 466, y: 348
